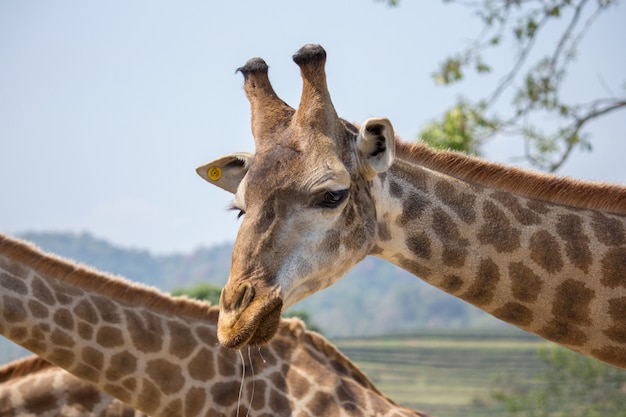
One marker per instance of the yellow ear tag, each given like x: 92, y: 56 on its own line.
x: 215, y: 173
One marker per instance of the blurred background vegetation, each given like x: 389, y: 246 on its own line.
x: 527, y: 100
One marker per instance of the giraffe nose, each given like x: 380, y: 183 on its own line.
x: 241, y: 298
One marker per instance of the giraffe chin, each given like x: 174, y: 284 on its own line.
x: 253, y: 329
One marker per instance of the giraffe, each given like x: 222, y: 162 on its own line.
x: 32, y: 387
x: 544, y: 253
x: 161, y: 355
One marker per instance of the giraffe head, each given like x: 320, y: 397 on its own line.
x: 309, y: 216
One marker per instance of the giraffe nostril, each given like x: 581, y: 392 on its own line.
x: 245, y: 294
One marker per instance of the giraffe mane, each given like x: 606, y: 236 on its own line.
x: 551, y: 188
x: 107, y: 285
x: 22, y: 367
x: 343, y: 364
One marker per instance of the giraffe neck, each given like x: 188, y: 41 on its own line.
x: 34, y: 387
x: 160, y: 355
x: 552, y: 267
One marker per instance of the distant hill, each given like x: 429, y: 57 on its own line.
x: 166, y: 272
x: 375, y: 298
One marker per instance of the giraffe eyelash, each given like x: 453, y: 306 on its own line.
x: 240, y: 212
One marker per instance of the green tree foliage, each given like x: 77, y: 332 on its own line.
x: 550, y: 125
x: 572, y: 385
x: 201, y: 291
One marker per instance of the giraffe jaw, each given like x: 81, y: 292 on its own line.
x: 252, y: 327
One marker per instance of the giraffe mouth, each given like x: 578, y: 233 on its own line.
x: 253, y: 327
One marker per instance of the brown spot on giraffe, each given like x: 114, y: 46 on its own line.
x: 13, y: 284
x: 538, y: 206
x: 64, y: 318
x: 63, y: 357
x: 451, y: 283
x: 42, y: 293
x: 570, y: 229
x: 85, y: 331
x: 608, y: 230
x: 614, y: 268
x: 323, y: 404
x: 617, y: 311
x: 571, y: 302
x: 413, y: 266
x: 481, y: 291
x: 612, y: 354
x: 497, y: 229
x: 167, y: 376
x: 461, y: 202
x: 301, y: 386
x: 515, y: 313
x: 571, y: 311
x: 523, y: 215
x: 13, y: 310
x: 63, y: 299
x: 525, y: 284
x: 118, y: 392
x: 546, y: 251
x: 92, y: 357
x: 278, y: 381
x: 183, y: 343
x: 149, y: 399
x: 145, y: 331
x: 60, y: 338
x: 43, y: 403
x: 87, y: 395
x: 454, y: 246
x: 109, y: 337
x: 85, y: 311
x: 412, y: 207
x: 18, y: 333
x: 454, y: 256
x: 87, y: 373
x: 195, y: 400
x: 223, y: 368
x: 419, y: 245
x: 121, y: 364
x: 37, y: 309
x: 174, y: 407
x: 563, y: 332
x: 106, y: 309
x: 130, y: 384
x: 225, y: 393
x: 260, y: 387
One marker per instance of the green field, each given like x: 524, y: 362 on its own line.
x: 447, y: 373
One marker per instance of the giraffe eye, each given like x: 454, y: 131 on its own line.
x: 332, y: 199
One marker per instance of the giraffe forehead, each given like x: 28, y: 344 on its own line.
x: 288, y: 169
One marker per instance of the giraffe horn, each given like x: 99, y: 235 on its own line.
x: 316, y: 109
x: 268, y: 110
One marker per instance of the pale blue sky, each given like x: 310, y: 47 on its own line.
x: 106, y: 108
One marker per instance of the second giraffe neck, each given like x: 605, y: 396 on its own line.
x: 161, y: 355
x: 555, y: 268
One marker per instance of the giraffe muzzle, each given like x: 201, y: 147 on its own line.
x: 245, y: 319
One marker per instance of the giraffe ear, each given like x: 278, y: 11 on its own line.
x: 376, y: 144
x: 228, y: 171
